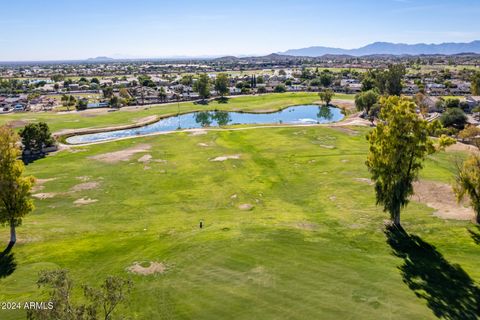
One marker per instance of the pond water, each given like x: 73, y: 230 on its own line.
x: 305, y: 114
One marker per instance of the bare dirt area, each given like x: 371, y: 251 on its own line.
x: 45, y: 195
x: 364, y: 180
x: 197, y: 132
x: 147, y: 268
x: 225, y: 158
x: 122, y: 155
x: 246, y: 207
x: 439, y: 196
x: 85, y: 186
x: 145, y: 158
x: 346, y: 104
x: 84, y: 201
x: 462, y: 147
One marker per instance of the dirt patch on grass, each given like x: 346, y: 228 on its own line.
x: 122, y: 155
x: 147, y: 268
x: 145, y: 158
x: 461, y: 147
x: 342, y: 103
x: 85, y: 186
x: 201, y: 144
x: 224, y: 158
x: 198, y: 132
x: 17, y: 123
x: 246, y: 207
x: 364, y: 180
x: 305, y: 225
x: 84, y: 201
x: 42, y: 181
x: 45, y: 195
x: 148, y: 119
x: 440, y: 196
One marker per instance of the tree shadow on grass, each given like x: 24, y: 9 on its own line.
x: 475, y: 234
x: 222, y: 99
x: 7, y: 263
x: 449, y: 291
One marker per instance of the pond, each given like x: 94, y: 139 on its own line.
x: 305, y: 114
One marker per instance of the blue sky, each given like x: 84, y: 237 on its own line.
x: 68, y: 29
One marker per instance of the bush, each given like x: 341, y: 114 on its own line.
x: 280, y: 88
x: 454, y: 117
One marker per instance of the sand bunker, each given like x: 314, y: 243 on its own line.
x: 122, y: 155
x: 147, y: 268
x: 45, y: 195
x: 224, y: 158
x: 85, y: 186
x: 440, y: 196
x: 84, y: 201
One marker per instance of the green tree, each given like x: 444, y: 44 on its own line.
x: 107, y: 92
x: 326, y: 96
x: 202, y: 86
x: 398, y: 147
x: 162, y: 94
x: 326, y: 79
x: 15, y: 200
x: 221, y: 84
x: 280, y: 88
x: 364, y: 101
x: 476, y: 84
x: 114, y: 102
x: 454, y: 117
x: 394, y: 77
x: 36, y: 136
x: 99, y: 303
x: 81, y: 104
x: 452, y: 103
x: 467, y: 183
x: 187, y: 80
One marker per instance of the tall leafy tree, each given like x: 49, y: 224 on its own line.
x: 365, y: 101
x: 326, y: 96
x: 15, y: 200
x: 467, y: 183
x: 398, y: 147
x: 202, y: 86
x: 394, y: 77
x: 36, y: 136
x: 476, y: 84
x: 221, y: 84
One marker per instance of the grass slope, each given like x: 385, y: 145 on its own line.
x: 313, y: 247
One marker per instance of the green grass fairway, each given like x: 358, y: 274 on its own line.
x: 312, y: 247
x: 74, y: 120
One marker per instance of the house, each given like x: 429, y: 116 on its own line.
x: 473, y: 101
x: 432, y: 103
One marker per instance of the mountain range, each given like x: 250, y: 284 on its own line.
x: 390, y: 49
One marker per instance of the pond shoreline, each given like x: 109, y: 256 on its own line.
x: 338, y: 114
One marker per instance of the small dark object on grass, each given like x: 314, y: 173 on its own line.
x: 201, y: 224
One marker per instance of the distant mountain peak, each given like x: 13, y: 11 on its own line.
x: 388, y: 48
x: 100, y: 59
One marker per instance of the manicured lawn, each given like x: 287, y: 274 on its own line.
x: 312, y: 247
x: 267, y: 102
